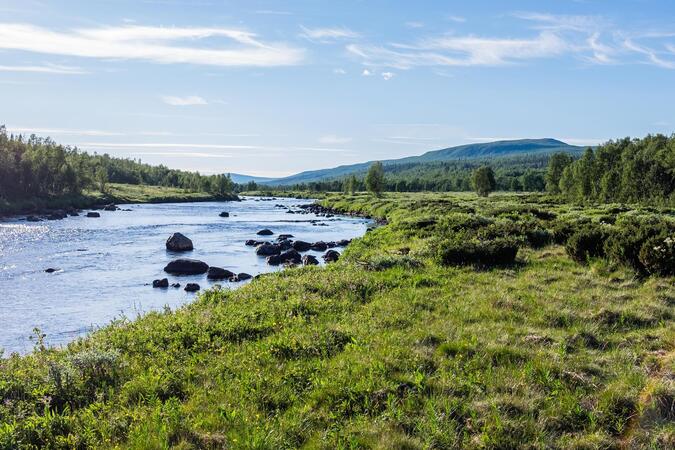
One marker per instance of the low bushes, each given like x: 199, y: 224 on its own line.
x: 499, y: 251
x: 657, y: 256
x: 586, y: 243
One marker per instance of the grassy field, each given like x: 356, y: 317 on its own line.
x: 394, y: 346
x: 116, y: 193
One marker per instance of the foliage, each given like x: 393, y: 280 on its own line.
x: 386, y: 348
x: 627, y: 170
x: 587, y: 242
x: 483, y: 181
x: 40, y: 168
x: 375, y: 179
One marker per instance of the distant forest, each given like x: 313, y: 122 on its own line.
x: 626, y: 170
x: 39, y: 167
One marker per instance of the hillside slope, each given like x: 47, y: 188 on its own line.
x: 469, y: 151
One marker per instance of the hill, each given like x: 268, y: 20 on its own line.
x: 469, y: 151
x: 243, y: 179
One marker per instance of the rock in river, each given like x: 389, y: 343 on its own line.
x: 331, y: 256
x: 310, y: 260
x: 192, y: 287
x: 267, y: 249
x: 163, y: 283
x: 178, y: 243
x: 301, y: 246
x: 93, y: 214
x: 217, y: 273
x: 319, y: 246
x: 290, y: 257
x: 244, y: 276
x: 33, y: 219
x: 186, y: 267
x: 265, y: 232
x: 224, y: 214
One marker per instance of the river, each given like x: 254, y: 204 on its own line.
x: 105, y: 266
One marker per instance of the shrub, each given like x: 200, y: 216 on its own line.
x: 657, y: 256
x: 586, y: 243
x: 499, y: 251
x: 625, y: 244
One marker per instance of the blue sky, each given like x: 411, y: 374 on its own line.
x: 272, y: 88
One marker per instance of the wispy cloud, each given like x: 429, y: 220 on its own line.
x: 327, y: 35
x: 387, y: 75
x: 591, y: 39
x: 332, y: 139
x: 191, y: 100
x: 152, y: 44
x: 47, y: 68
x: 414, y: 24
x: 61, y: 131
x: 457, y: 19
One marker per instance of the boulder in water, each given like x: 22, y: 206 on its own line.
x: 178, y: 242
x: 192, y: 287
x: 310, y: 260
x: 267, y: 249
x: 331, y: 256
x: 244, y: 276
x: 301, y: 246
x: 224, y: 214
x: 93, y: 214
x: 218, y: 273
x: 289, y: 257
x: 163, y: 283
x: 111, y: 207
x: 33, y: 219
x: 51, y: 270
x: 265, y: 232
x: 319, y: 246
x: 186, y: 267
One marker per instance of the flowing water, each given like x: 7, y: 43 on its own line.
x: 104, y: 264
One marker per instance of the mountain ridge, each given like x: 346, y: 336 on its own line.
x: 492, y: 149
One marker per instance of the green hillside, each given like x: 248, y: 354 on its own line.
x: 470, y: 151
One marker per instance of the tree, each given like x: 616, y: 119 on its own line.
x: 556, y: 165
x: 483, y: 180
x: 351, y: 184
x: 533, y: 181
x: 101, y: 178
x: 375, y: 178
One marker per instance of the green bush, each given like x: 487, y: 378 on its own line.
x: 626, y: 242
x: 586, y: 243
x: 499, y: 251
x: 657, y: 256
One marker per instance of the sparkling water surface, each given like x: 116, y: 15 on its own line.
x: 104, y: 265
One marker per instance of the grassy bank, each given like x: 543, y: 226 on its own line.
x: 116, y: 193
x: 388, y: 348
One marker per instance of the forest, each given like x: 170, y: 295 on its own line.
x: 39, y: 167
x: 640, y: 170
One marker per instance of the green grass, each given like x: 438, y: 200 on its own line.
x: 384, y: 349
x: 116, y: 193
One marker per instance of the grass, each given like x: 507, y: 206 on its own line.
x: 384, y: 349
x: 116, y: 193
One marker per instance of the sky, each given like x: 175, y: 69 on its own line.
x: 272, y: 88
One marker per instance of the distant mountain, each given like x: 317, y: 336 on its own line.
x: 470, y: 151
x: 242, y: 179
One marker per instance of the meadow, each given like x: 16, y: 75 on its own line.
x: 513, y: 321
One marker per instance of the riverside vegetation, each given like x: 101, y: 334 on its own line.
x: 502, y: 322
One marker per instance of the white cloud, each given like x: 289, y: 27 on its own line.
x: 191, y: 100
x: 331, y: 139
x: 48, y: 68
x: 327, y: 35
x: 414, y: 24
x: 153, y: 44
x: 457, y: 19
x: 387, y: 76
x: 339, y: 71
x: 113, y: 145
x: 366, y: 73
x: 460, y: 51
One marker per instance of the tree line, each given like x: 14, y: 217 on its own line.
x: 39, y: 167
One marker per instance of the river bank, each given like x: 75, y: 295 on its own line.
x: 116, y: 193
x: 396, y: 345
